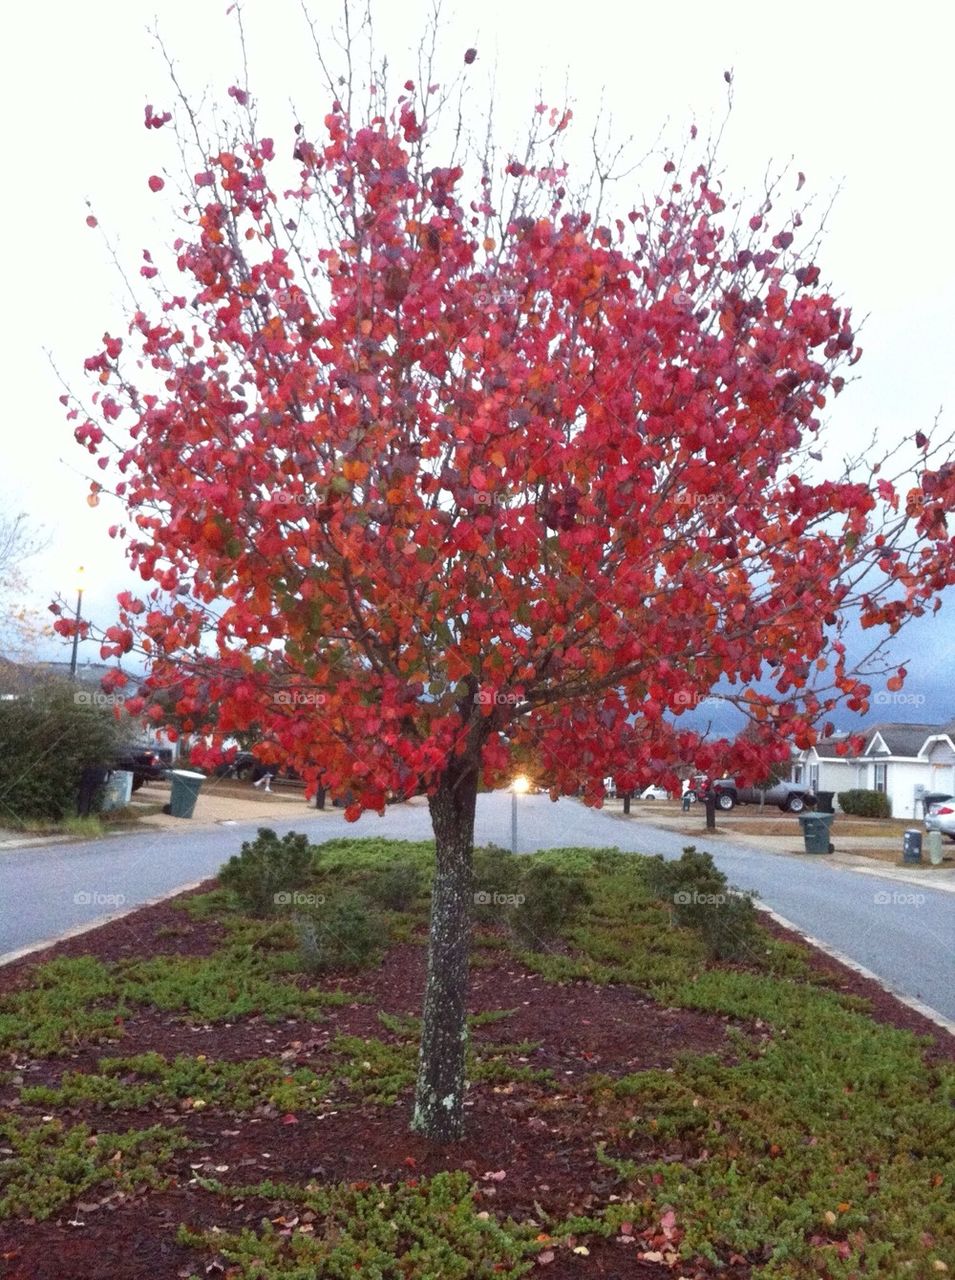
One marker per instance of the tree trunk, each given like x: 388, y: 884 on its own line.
x: 320, y: 798
x: 626, y: 801
x: 711, y: 811
x: 439, y: 1093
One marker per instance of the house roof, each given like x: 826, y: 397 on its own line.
x: 826, y: 747
x: 900, y: 739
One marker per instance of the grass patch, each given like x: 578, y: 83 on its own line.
x: 89, y: 827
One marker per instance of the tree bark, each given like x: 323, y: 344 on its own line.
x: 626, y: 801
x: 711, y: 810
x: 439, y: 1093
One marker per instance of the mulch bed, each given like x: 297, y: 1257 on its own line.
x: 541, y: 1137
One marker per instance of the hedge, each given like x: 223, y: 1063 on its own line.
x: 865, y: 804
x: 47, y: 736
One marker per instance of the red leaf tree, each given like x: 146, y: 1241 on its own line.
x: 426, y: 465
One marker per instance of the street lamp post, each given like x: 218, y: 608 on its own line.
x: 79, y: 610
x: 518, y: 787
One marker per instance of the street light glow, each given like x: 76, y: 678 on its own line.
x: 521, y: 784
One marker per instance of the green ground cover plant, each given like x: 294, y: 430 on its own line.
x: 432, y: 1228
x: 47, y: 1165
x: 149, y: 1079
x: 816, y: 1143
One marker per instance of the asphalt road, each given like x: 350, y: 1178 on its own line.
x: 904, y: 933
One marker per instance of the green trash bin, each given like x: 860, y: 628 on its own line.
x: 186, y: 786
x: 815, y: 831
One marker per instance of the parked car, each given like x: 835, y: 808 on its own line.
x: 146, y: 764
x: 941, y: 816
x: 790, y: 797
x: 246, y: 767
x: 655, y: 793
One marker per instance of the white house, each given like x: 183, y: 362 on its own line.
x: 939, y: 750
x: 904, y: 761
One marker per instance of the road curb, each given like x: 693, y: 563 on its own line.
x: 929, y: 881
x: 79, y: 929
x: 834, y: 953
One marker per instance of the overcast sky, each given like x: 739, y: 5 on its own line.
x: 860, y: 97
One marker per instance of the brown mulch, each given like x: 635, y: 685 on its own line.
x: 540, y: 1137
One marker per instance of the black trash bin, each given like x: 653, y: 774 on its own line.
x: 92, y: 778
x: 824, y: 801
x: 912, y: 845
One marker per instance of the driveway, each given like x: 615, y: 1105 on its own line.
x: 903, y: 932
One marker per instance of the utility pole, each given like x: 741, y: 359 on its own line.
x: 79, y: 611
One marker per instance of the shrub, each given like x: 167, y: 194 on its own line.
x: 692, y: 871
x: 48, y: 735
x: 700, y: 898
x: 865, y: 804
x: 341, y: 933
x: 549, y: 899
x: 497, y: 875
x: 397, y: 886
x: 267, y: 867
x: 731, y: 930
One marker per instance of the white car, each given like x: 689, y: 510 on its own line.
x: 941, y: 817
x: 655, y: 793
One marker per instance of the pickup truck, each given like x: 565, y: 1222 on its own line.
x: 146, y: 764
x: 790, y: 797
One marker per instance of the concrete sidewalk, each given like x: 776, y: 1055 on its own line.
x: 744, y: 829
x: 221, y: 802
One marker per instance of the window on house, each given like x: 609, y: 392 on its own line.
x: 797, y: 773
x: 814, y: 777
x: 880, y: 772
